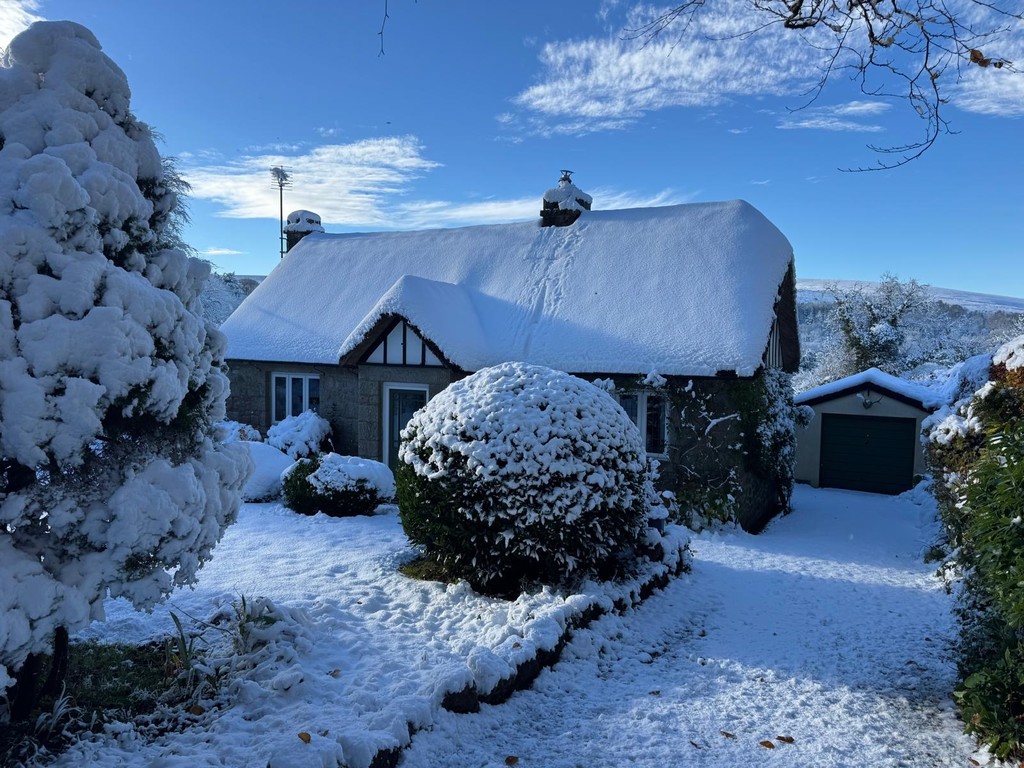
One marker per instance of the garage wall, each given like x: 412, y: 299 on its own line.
x: 808, y: 439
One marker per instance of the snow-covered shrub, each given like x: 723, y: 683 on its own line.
x: 522, y: 474
x: 300, y: 436
x: 269, y: 464
x: 338, y: 485
x: 111, y: 480
x: 236, y: 430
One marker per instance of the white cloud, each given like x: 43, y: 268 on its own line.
x: 363, y: 185
x: 346, y: 184
x: 838, y: 117
x: 762, y: 182
x: 436, y: 213
x: 15, y: 16
x: 992, y: 91
x: 215, y: 251
x: 610, y: 82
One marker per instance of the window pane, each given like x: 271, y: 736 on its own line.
x: 313, y: 384
x: 296, y: 407
x: 655, y: 424
x: 280, y: 398
x: 629, y: 405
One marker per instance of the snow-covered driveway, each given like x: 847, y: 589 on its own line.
x: 828, y: 629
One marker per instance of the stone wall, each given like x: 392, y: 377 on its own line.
x: 250, y: 397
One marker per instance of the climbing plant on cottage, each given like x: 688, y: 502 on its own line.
x: 111, y: 480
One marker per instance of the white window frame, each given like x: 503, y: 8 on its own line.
x: 288, y: 376
x: 385, y: 434
x: 641, y: 418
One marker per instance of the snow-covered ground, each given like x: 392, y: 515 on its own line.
x: 828, y: 629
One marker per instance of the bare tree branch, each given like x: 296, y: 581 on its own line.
x: 907, y: 45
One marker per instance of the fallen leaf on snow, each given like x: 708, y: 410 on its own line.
x: 785, y: 739
x: 695, y: 745
x: 654, y: 693
x: 728, y: 735
x: 335, y: 673
x: 511, y: 760
x: 195, y: 709
x: 767, y: 744
x: 306, y: 738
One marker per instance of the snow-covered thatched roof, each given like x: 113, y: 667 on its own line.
x: 684, y: 290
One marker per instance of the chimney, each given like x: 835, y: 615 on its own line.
x: 564, y: 204
x: 300, y: 224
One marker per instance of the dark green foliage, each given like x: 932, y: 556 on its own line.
x: 468, y: 547
x: 981, y: 493
x: 300, y: 495
x: 105, y: 682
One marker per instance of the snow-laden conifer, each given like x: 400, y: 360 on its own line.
x: 110, y: 380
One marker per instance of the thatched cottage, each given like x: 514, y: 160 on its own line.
x: 682, y: 308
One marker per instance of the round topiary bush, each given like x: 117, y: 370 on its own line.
x: 338, y: 486
x: 520, y: 474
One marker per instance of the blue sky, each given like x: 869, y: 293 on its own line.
x: 475, y: 107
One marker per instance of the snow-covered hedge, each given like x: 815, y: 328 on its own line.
x: 338, y: 485
x: 299, y: 436
x: 111, y: 480
x: 521, y: 474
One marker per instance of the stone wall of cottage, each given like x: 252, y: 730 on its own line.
x: 372, y: 379
x: 250, y: 397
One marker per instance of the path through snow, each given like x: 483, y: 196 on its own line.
x: 827, y: 628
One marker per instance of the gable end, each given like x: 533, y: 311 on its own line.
x: 396, y: 341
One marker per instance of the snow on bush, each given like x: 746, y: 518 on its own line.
x: 270, y: 464
x: 338, y: 485
x: 236, y: 430
x: 299, y: 436
x: 520, y: 473
x: 110, y: 380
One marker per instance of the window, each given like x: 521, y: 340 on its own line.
x: 650, y: 413
x: 294, y: 393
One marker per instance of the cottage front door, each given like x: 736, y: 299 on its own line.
x: 400, y: 403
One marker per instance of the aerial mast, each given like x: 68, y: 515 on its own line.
x: 281, y: 179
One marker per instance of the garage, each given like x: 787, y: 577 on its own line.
x: 864, y: 435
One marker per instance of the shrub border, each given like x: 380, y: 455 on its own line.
x: 468, y: 699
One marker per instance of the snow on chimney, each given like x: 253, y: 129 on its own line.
x: 564, y: 204
x: 300, y: 224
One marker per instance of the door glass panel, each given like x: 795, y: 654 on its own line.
x: 402, y: 404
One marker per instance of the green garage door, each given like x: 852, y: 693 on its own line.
x: 867, y: 453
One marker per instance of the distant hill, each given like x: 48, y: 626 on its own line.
x: 816, y: 290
